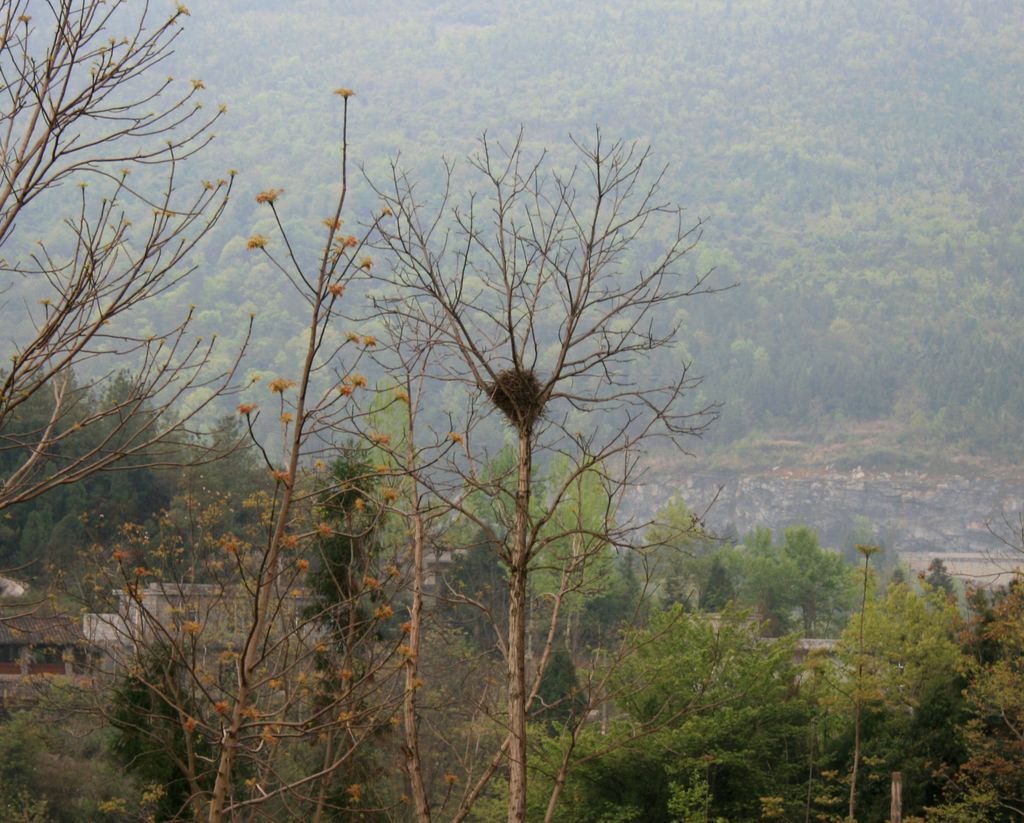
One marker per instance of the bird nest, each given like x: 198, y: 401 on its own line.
x: 518, y: 395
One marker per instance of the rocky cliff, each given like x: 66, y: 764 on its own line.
x: 911, y: 512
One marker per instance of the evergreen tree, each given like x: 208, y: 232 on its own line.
x: 939, y: 577
x: 559, y: 694
x: 150, y: 734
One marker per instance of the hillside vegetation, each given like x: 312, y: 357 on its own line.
x: 853, y: 161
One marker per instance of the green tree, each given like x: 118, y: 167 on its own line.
x: 559, y: 697
x: 152, y: 740
x: 709, y: 721
x: 683, y: 555
x: 909, y: 689
x: 720, y: 590
x: 822, y: 585
x: 989, y: 785
x: 56, y: 767
x: 938, y: 577
x: 347, y: 548
x: 796, y: 585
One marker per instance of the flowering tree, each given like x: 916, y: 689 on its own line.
x: 174, y: 615
x: 312, y: 409
x: 262, y: 666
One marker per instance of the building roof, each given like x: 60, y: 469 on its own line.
x: 30, y: 630
x: 981, y: 569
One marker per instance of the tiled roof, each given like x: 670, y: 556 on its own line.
x: 24, y: 630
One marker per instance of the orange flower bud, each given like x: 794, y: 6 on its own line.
x: 268, y: 196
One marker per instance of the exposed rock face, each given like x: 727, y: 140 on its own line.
x: 910, y: 511
x: 11, y: 588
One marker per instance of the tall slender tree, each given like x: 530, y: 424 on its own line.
x: 858, y: 686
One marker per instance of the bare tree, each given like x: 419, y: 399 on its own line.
x: 90, y: 129
x: 541, y: 297
x: 1008, y: 531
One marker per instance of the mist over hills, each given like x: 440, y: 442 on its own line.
x: 851, y: 158
x: 853, y: 161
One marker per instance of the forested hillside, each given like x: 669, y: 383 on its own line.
x: 854, y: 161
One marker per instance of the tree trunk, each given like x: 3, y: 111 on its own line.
x: 867, y: 551
x: 856, y: 762
x: 517, y: 636
x: 413, y: 764
x: 226, y: 766
x: 896, y: 800
x: 262, y: 612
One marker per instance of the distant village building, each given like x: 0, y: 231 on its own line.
x: 806, y: 646
x: 218, y: 616
x: 983, y: 570
x: 33, y: 646
x: 40, y: 645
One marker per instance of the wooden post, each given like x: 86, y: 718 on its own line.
x: 896, y: 804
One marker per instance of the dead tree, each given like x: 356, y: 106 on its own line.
x: 542, y: 298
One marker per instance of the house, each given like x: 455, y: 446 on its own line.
x: 981, y: 570
x: 215, y: 617
x: 806, y: 646
x: 31, y: 644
